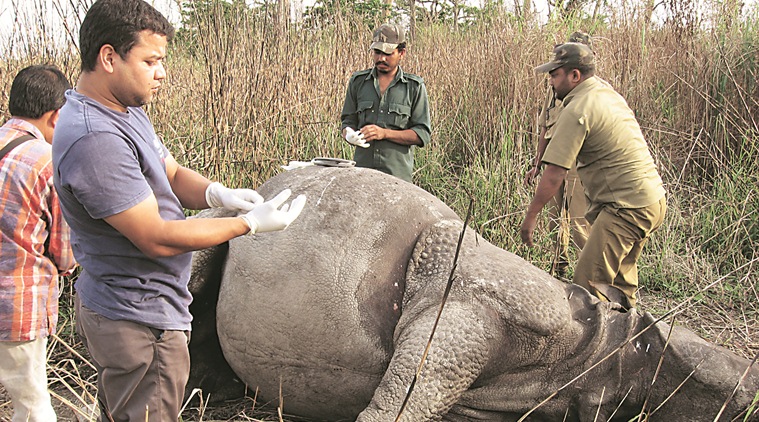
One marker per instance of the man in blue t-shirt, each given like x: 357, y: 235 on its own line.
x: 124, y: 195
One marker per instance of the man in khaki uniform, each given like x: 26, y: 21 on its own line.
x: 566, y: 210
x: 598, y: 131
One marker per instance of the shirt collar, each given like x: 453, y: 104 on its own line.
x: 581, y: 89
x: 22, y: 125
x: 400, y: 76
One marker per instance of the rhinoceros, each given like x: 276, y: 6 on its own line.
x: 334, y: 315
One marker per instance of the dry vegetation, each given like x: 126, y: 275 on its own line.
x: 244, y: 97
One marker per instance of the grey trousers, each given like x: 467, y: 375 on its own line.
x: 142, y: 372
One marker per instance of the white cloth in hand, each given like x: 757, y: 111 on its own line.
x: 297, y: 165
x: 219, y: 196
x: 267, y: 217
x: 355, y: 138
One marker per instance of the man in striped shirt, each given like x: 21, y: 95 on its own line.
x: 35, y: 241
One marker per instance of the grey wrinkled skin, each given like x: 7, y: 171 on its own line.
x: 335, y: 312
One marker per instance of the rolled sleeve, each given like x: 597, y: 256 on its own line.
x: 348, y: 116
x: 419, y: 121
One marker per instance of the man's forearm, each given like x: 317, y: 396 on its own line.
x: 401, y: 137
x: 548, y: 187
x: 190, y: 187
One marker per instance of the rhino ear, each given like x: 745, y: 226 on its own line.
x: 612, y: 294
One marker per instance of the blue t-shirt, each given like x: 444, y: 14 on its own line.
x: 107, y: 162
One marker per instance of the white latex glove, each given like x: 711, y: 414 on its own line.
x: 267, y: 218
x: 355, y: 138
x: 219, y: 196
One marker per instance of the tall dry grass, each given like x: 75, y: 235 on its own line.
x: 244, y: 96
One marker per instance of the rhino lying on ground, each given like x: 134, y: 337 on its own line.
x: 336, y: 311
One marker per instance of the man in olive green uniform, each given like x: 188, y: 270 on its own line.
x: 566, y: 210
x: 386, y: 111
x: 598, y: 131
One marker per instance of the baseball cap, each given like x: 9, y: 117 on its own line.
x: 568, y: 54
x: 581, y: 37
x: 387, y: 37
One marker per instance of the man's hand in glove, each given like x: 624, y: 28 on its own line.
x: 355, y: 138
x: 219, y: 196
x: 267, y: 217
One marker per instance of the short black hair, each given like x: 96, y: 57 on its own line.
x: 118, y: 23
x: 585, y: 69
x: 401, y: 46
x: 36, y: 90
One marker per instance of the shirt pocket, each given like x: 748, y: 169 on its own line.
x: 399, y: 115
x: 366, y: 114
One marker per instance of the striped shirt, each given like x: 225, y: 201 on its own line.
x: 34, y: 248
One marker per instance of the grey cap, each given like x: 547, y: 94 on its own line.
x: 568, y: 54
x: 387, y: 37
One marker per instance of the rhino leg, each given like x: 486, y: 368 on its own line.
x: 457, y: 356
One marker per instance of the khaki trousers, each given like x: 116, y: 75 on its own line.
x: 23, y: 374
x: 142, y: 372
x: 611, y: 253
x: 566, y: 213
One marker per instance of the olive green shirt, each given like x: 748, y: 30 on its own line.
x: 598, y: 130
x: 403, y: 106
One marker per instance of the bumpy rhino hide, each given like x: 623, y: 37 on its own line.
x: 335, y: 312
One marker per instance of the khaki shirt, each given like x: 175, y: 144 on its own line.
x: 549, y: 113
x: 404, y: 105
x: 548, y: 103
x: 551, y: 110
x: 598, y: 130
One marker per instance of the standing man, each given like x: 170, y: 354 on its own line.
x: 566, y: 210
x: 386, y: 111
x: 598, y: 131
x: 124, y: 195
x: 35, y: 240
